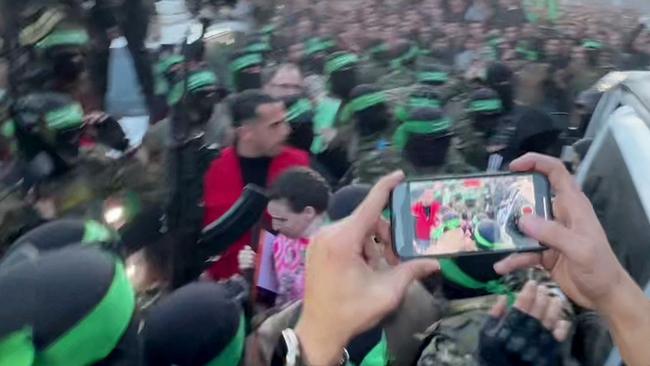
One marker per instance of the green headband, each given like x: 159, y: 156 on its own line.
x: 419, y: 128
x: 378, y: 355
x: 453, y: 273
x: 231, y: 355
x: 437, y: 77
x: 528, y: 54
x: 419, y: 102
x: 592, y: 45
x: 195, y: 82
x: 8, y: 129
x: 298, y: 108
x: 167, y: 63
x: 482, y: 242
x: 383, y: 47
x: 258, y: 47
x: 486, y: 105
x: 361, y: 103
x: 96, y: 233
x: 64, y: 118
x: 268, y: 29
x: 340, y: 63
x: 77, y: 37
x: 113, y: 315
x: 452, y: 224
x: 246, y: 61
x: 17, y: 349
x: 412, y: 53
x: 316, y: 45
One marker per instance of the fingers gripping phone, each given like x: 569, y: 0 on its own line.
x: 467, y: 215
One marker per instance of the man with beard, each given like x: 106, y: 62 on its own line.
x: 259, y: 156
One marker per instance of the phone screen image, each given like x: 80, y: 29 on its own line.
x: 470, y: 215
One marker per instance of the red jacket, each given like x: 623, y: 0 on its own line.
x: 223, y: 184
x: 425, y: 223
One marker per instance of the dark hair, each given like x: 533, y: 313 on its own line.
x: 243, y: 106
x: 301, y: 187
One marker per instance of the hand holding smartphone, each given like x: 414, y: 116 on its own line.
x: 467, y: 215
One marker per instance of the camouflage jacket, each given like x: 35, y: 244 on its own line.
x: 374, y: 158
x: 398, y: 78
x: 454, y: 164
x: 454, y: 340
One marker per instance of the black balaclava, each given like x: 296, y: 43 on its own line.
x: 67, y: 64
x: 69, y: 306
x: 368, y: 105
x: 428, y: 148
x: 346, y: 200
x: 500, y: 78
x: 194, y: 326
x: 486, y: 108
x: 300, y: 116
x: 342, y: 71
x: 56, y: 235
x: 246, y: 70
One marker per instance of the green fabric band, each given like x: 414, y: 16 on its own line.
x: 378, y: 49
x: 246, y: 61
x: 112, y: 316
x: 316, y: 45
x: 486, y: 105
x: 232, y: 354
x: 361, y: 103
x: 528, y: 54
x: 424, y: 103
x: 400, y: 138
x: 167, y: 63
x: 340, y: 63
x: 8, y: 129
x: 410, y: 55
x: 481, y: 241
x: 324, y: 118
x: 77, y: 37
x: 592, y: 45
x: 195, y: 82
x: 452, y: 224
x: 17, y: 349
x: 378, y: 355
x: 437, y: 77
x: 298, y: 108
x: 96, y: 233
x: 259, y: 47
x: 268, y: 29
x: 453, y: 273
x: 68, y: 117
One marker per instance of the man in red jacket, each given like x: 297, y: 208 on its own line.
x: 258, y: 156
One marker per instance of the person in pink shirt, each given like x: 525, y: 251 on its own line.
x: 297, y: 206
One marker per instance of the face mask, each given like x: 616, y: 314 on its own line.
x: 67, y: 67
x: 248, y: 80
x: 302, y: 136
x: 372, y: 120
x: 485, y: 123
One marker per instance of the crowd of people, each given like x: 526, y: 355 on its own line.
x: 251, y: 227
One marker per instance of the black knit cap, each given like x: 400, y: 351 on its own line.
x: 192, y: 326
x: 346, y: 200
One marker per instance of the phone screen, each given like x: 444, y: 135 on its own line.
x: 466, y: 215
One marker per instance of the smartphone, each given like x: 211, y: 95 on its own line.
x: 467, y: 215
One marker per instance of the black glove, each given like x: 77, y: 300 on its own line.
x: 519, y: 340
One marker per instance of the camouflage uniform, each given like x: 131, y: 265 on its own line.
x: 375, y: 158
x: 474, y: 144
x: 454, y: 164
x: 398, y: 78
x: 454, y: 340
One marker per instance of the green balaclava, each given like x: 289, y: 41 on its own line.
x: 71, y: 306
